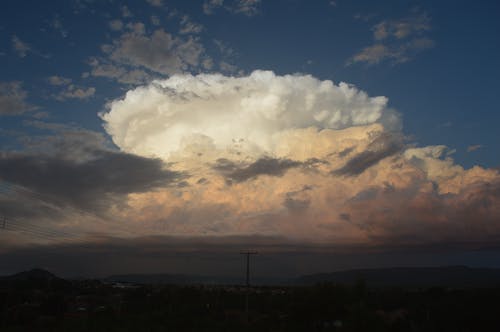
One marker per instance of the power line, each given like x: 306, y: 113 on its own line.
x: 113, y: 228
x: 8, y: 188
x: 54, y: 239
x: 40, y: 232
x: 16, y: 222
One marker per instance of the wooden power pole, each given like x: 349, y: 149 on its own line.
x: 247, y: 253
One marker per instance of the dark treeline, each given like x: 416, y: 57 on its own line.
x: 47, y: 303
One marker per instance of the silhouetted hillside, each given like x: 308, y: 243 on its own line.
x: 453, y: 276
x: 34, y: 279
x: 34, y: 274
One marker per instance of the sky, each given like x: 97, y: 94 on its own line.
x: 165, y: 136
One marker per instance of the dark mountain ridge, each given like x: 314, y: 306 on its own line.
x: 449, y: 276
x: 34, y: 274
x: 34, y: 279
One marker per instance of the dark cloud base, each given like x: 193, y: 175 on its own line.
x: 382, y: 147
x: 90, y: 184
x: 263, y: 166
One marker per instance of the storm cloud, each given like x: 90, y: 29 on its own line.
x: 75, y: 167
x: 257, y: 141
x: 277, y: 156
x: 248, y: 112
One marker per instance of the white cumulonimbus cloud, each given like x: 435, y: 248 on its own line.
x: 162, y: 117
x: 297, y: 157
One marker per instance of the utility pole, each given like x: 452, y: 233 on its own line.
x: 247, y: 253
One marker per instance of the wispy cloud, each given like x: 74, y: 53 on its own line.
x: 69, y: 90
x: 209, y: 6
x: 401, y: 53
x: 75, y: 92
x: 472, y: 148
x: 57, y: 25
x: 244, y: 7
x: 125, y: 11
x: 21, y: 48
x: 58, y: 80
x: 397, y: 41
x: 13, y: 99
x: 155, y: 3
x: 136, y: 56
x: 155, y: 20
x: 227, y: 55
x: 189, y: 27
x: 402, y: 28
x: 116, y: 25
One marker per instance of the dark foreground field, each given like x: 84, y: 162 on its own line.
x: 41, y: 302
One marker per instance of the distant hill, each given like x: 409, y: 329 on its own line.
x: 452, y: 276
x: 31, y: 275
x: 34, y: 279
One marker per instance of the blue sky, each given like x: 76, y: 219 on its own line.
x: 347, y: 123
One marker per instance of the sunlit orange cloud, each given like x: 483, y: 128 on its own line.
x: 293, y: 157
x: 396, y: 199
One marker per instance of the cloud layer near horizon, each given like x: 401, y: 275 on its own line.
x: 290, y: 157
